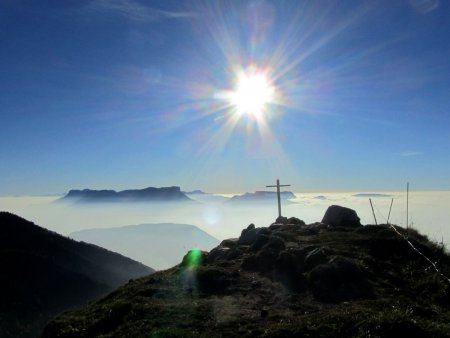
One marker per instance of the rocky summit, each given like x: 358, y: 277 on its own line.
x: 334, y: 278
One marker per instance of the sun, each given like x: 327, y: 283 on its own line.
x: 253, y: 93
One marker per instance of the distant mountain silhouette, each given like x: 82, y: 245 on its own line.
x: 195, y: 192
x: 44, y: 273
x: 207, y: 198
x: 262, y: 196
x: 165, y: 194
x: 158, y: 245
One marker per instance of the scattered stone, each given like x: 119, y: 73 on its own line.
x: 213, y: 280
x: 315, y: 257
x: 338, y: 216
x: 234, y: 253
x: 282, y: 220
x: 218, y: 253
x: 317, y: 225
x: 288, y: 271
x: 341, y: 279
x: 296, y: 221
x: 229, y: 243
x: 275, y: 226
x: 249, y: 235
x: 250, y: 263
x: 260, y: 241
x: 275, y: 243
x: 263, y: 261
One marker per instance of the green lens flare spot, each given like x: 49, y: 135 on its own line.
x: 193, y: 258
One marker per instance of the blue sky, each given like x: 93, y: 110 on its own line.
x: 124, y: 94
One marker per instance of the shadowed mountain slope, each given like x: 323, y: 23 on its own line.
x: 288, y: 279
x: 44, y: 273
x: 158, y: 245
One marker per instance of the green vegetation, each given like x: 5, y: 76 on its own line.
x: 285, y: 280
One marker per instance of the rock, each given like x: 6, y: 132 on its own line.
x: 340, y: 216
x: 234, y: 253
x: 260, y: 241
x: 275, y: 243
x: 229, y: 243
x: 288, y: 271
x: 263, y: 261
x: 218, y: 253
x: 249, y: 235
x: 213, y: 280
x: 341, y: 279
x: 275, y: 226
x: 250, y: 263
x: 316, y: 257
x: 317, y: 225
x: 282, y: 220
x: 296, y: 221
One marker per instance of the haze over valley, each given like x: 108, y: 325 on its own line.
x: 220, y: 219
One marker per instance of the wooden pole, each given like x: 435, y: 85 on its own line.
x: 407, y: 208
x: 279, y: 198
x: 373, y: 212
x: 390, y: 208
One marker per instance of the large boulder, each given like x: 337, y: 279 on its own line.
x: 340, y: 216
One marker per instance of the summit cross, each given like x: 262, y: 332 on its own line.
x: 278, y: 193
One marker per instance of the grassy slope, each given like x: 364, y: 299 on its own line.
x: 281, y: 290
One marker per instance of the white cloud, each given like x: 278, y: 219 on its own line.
x: 136, y: 11
x: 410, y: 153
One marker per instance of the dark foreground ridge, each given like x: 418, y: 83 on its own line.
x: 334, y: 279
x: 43, y: 274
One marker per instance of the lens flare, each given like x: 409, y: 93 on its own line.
x: 194, y: 258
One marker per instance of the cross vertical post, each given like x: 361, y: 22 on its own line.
x: 278, y: 193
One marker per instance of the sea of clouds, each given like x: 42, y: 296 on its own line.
x: 429, y: 212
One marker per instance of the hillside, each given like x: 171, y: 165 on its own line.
x: 333, y: 279
x: 160, y: 246
x: 44, y: 273
x: 150, y: 194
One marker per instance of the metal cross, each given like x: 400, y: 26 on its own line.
x: 278, y: 193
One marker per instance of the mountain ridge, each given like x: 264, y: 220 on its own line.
x: 44, y: 273
x: 288, y: 279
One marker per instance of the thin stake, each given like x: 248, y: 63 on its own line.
x: 390, y: 208
x: 373, y: 212
x: 407, y: 209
